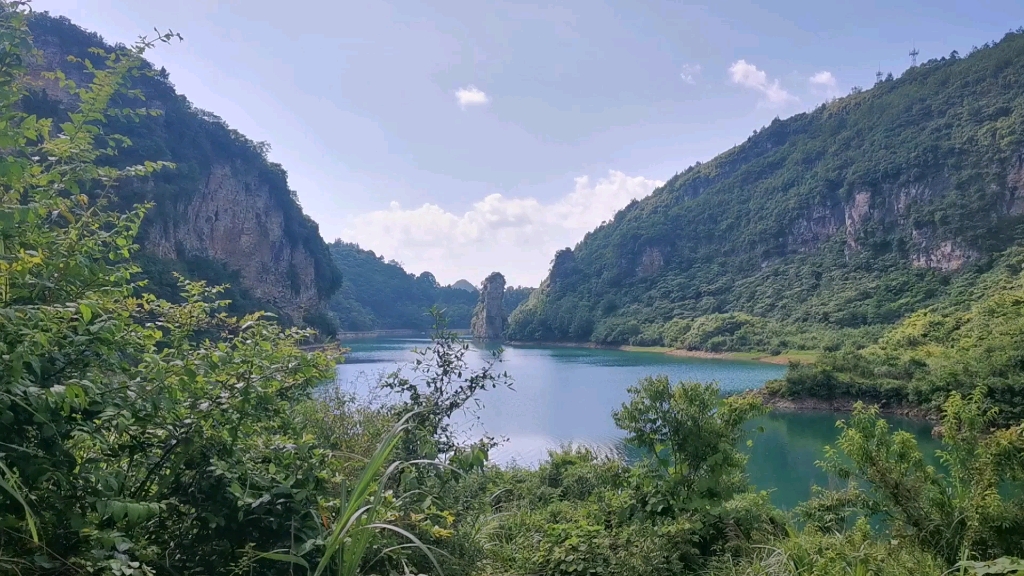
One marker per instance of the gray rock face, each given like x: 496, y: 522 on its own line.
x: 489, y: 317
x: 888, y: 210
x: 234, y: 220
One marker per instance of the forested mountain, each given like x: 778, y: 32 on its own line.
x: 853, y: 215
x: 376, y: 294
x: 225, y: 213
x: 514, y: 296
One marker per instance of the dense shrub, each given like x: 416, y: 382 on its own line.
x: 973, y: 339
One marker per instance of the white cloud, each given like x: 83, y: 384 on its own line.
x: 471, y: 96
x: 516, y: 236
x: 824, y: 84
x: 824, y: 79
x: 690, y: 73
x: 745, y: 74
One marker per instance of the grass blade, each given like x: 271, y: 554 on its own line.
x: 7, y: 483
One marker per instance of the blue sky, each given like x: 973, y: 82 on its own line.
x: 467, y: 137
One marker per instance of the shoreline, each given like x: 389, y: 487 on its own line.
x: 775, y: 403
x: 392, y: 333
x: 764, y: 357
x: 807, y: 404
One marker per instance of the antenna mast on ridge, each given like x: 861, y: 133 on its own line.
x: 913, y: 56
x: 878, y: 75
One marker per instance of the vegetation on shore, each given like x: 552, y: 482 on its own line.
x: 783, y: 358
x: 974, y: 337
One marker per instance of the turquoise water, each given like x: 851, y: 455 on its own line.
x: 567, y: 395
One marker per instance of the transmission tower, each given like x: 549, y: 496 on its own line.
x: 913, y: 57
x: 878, y: 75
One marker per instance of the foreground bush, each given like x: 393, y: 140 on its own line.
x: 814, y: 553
x: 959, y: 514
x: 140, y: 436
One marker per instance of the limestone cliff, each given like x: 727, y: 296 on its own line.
x: 224, y: 205
x: 233, y: 219
x: 489, y: 317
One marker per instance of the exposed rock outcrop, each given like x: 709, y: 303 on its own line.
x: 234, y: 219
x: 816, y: 227
x: 945, y: 256
x: 1015, y: 185
x: 855, y: 213
x: 888, y: 209
x: 651, y: 262
x: 489, y: 317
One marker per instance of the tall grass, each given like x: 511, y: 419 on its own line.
x: 349, y: 534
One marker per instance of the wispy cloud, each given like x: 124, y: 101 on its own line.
x: 471, y: 96
x: 518, y: 236
x: 747, y: 75
x: 690, y: 73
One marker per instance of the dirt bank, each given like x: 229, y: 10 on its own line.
x: 782, y: 359
x: 839, y: 405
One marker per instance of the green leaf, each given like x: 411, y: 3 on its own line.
x: 283, y: 557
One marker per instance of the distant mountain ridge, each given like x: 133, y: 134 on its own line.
x: 380, y: 295
x: 854, y: 214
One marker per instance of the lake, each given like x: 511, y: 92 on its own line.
x: 566, y: 395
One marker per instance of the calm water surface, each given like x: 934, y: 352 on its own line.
x: 567, y: 395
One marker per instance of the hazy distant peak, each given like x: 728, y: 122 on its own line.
x: 464, y: 285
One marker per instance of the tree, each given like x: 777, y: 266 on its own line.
x: 957, y: 515
x: 691, y: 432
x: 441, y: 384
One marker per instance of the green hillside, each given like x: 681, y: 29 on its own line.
x: 379, y: 295
x: 845, y: 218
x: 974, y: 337
x: 514, y: 296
